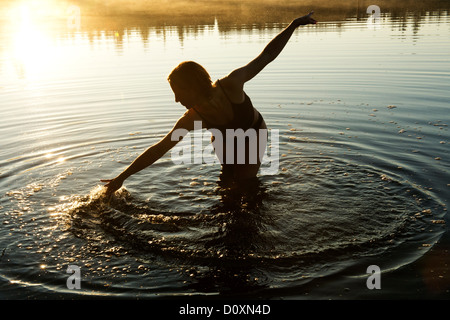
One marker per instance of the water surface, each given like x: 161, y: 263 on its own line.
x: 361, y: 109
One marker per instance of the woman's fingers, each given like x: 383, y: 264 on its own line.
x: 112, y: 184
x: 307, y: 19
x: 107, y: 181
x: 311, y: 19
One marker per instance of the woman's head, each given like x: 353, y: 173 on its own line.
x: 190, y: 83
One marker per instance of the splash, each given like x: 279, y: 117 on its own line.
x: 354, y: 211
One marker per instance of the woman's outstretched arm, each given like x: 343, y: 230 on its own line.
x: 153, y: 153
x: 241, y: 75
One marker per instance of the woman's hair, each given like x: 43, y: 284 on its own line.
x: 191, y: 76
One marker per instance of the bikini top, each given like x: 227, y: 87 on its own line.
x: 243, y: 114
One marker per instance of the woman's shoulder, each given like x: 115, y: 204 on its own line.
x: 232, y: 88
x: 190, y: 115
x: 191, y: 119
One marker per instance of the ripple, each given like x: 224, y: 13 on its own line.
x: 332, y: 214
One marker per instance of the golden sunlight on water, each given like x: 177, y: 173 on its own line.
x: 34, y: 30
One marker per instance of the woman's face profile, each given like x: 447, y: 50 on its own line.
x: 183, y: 96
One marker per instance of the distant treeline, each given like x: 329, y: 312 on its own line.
x: 119, y: 14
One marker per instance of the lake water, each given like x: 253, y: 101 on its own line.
x: 361, y: 109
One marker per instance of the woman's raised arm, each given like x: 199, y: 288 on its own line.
x: 238, y: 77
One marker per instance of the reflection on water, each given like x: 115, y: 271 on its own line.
x: 116, y: 18
x: 41, y: 37
x: 363, y: 174
x: 33, y: 30
x: 253, y: 239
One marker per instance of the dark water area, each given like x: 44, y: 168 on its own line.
x: 357, y: 111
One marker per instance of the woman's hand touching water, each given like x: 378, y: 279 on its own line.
x: 112, y: 185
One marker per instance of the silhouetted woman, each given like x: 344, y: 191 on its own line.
x: 219, y: 105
